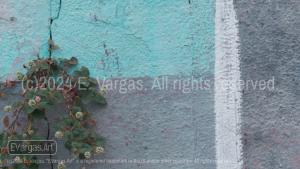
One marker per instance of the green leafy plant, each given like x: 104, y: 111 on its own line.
x: 47, y: 84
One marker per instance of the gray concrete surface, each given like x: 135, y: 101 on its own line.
x: 270, y: 38
x: 159, y: 124
x: 153, y: 124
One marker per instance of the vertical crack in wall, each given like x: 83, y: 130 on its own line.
x: 52, y: 19
x: 50, y: 46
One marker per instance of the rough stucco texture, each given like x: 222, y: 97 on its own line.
x: 132, y: 38
x: 156, y: 124
x: 113, y: 37
x: 23, y: 29
x: 150, y: 124
x: 269, y: 33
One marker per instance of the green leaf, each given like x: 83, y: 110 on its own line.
x: 38, y: 114
x: 83, y: 72
x: 55, y: 97
x: 76, y: 144
x: 18, y: 166
x: 92, y: 95
x: 68, y: 135
x: 68, y: 121
x: 93, y: 82
x: 85, y: 147
x: 82, y: 147
x: 84, y: 82
x: 30, y: 94
x: 68, y: 63
x: 68, y: 145
x: 80, y: 133
x: 81, y: 156
x: 73, y: 61
x: 37, y: 137
x: 31, y: 71
x: 43, y: 105
x: 28, y: 109
x: 33, y: 166
x: 100, y: 141
x: 98, y: 98
x: 76, y: 109
x: 72, y: 123
x: 44, y: 66
x: 3, y: 139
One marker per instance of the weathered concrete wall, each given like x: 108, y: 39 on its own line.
x: 159, y: 124
x: 138, y: 38
x: 151, y: 124
x: 269, y: 34
x: 114, y: 38
x: 143, y: 40
x: 23, y: 29
x: 129, y: 39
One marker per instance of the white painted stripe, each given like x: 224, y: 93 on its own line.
x: 227, y: 87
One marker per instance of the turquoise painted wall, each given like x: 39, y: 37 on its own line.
x: 23, y: 29
x: 128, y: 38
x: 115, y: 38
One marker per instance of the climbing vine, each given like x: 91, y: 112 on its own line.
x: 47, y: 84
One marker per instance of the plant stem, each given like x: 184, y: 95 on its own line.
x: 48, y: 136
x: 17, y: 112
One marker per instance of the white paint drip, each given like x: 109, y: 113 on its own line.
x: 227, y: 87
